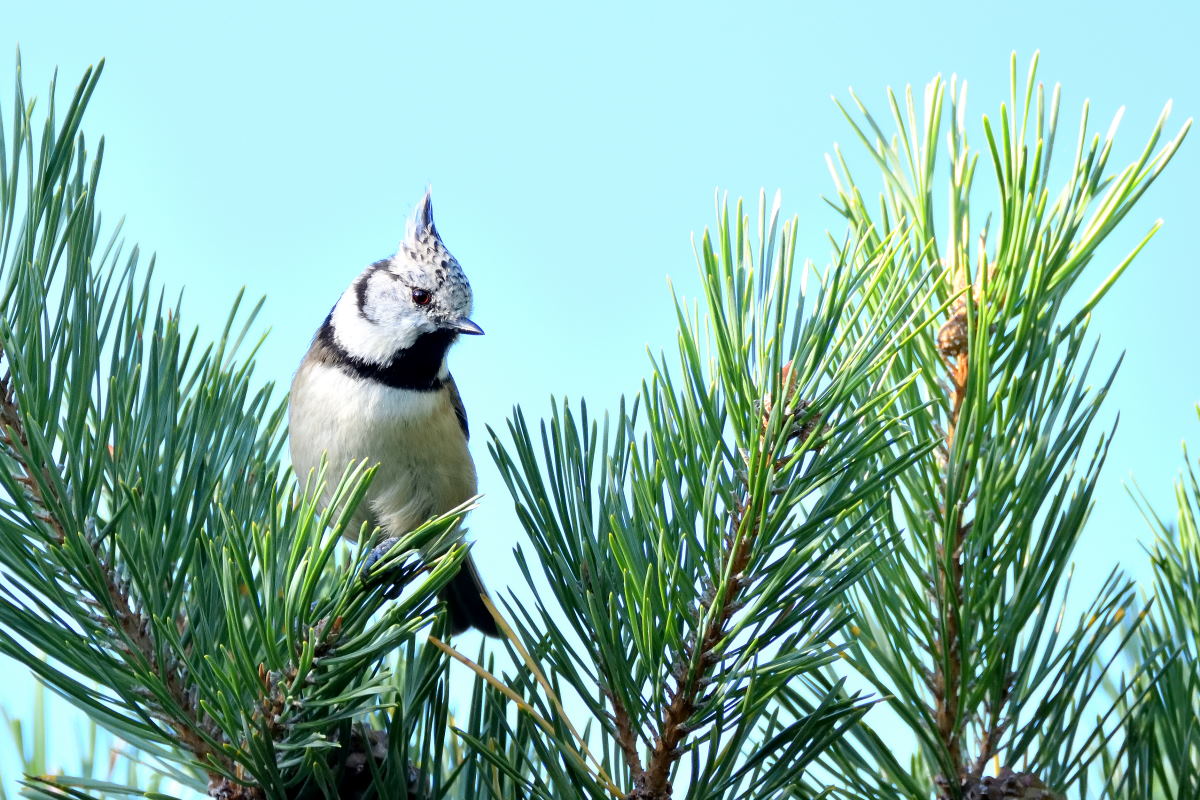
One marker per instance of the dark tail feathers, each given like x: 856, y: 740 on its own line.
x: 464, y: 602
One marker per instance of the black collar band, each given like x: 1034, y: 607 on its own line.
x: 414, y: 367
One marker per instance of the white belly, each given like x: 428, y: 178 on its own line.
x: 424, y: 468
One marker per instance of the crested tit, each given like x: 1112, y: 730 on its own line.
x: 374, y: 385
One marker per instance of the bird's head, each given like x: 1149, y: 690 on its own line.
x: 421, y: 291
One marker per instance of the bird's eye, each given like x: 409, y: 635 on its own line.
x: 421, y: 297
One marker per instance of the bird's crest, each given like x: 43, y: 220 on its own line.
x: 420, y: 225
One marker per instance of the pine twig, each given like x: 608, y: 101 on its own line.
x: 692, y: 672
x: 12, y: 432
x: 952, y: 342
x: 626, y: 738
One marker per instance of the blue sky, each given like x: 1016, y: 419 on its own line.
x: 573, y: 150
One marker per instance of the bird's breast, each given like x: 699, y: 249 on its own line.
x: 424, y: 467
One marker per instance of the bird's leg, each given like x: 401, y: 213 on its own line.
x: 379, y: 551
x: 395, y: 578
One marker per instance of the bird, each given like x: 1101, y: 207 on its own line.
x: 374, y: 386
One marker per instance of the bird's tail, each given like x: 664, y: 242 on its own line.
x: 463, y: 596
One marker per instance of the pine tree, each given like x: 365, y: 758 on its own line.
x: 850, y: 486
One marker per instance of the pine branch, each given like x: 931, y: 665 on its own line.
x: 693, y: 670
x: 14, y: 442
x: 700, y: 553
x: 957, y: 620
x: 132, y: 627
x: 1156, y: 752
x: 194, y: 729
x: 626, y: 737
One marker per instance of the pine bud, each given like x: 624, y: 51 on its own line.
x: 952, y: 338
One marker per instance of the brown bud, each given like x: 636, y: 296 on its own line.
x: 952, y: 338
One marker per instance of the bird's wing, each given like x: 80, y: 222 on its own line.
x: 457, y: 404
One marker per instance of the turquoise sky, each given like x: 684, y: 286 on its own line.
x: 572, y: 152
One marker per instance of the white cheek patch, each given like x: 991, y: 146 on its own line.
x: 385, y: 327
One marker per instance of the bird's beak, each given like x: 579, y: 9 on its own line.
x: 465, y: 325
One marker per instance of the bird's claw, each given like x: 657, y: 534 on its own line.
x: 394, y: 579
x: 379, y: 551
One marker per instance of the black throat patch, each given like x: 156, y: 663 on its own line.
x: 414, y: 367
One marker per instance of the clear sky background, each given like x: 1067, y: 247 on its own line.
x: 573, y: 150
